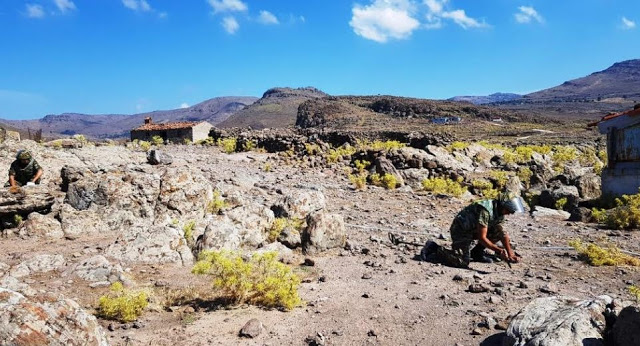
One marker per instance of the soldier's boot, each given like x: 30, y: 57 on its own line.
x: 452, y: 258
x: 479, y: 255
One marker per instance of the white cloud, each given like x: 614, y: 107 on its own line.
x: 65, y: 5
x: 230, y: 24
x: 437, y: 11
x: 628, y: 23
x: 137, y: 5
x: 461, y: 18
x: 184, y: 105
x: 227, y: 5
x: 163, y: 15
x: 267, y: 17
x: 384, y: 20
x: 34, y: 11
x: 527, y: 14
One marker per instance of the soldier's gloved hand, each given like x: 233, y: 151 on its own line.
x: 514, y: 258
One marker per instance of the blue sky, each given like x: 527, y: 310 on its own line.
x: 130, y: 56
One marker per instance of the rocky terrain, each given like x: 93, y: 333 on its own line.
x: 108, y: 214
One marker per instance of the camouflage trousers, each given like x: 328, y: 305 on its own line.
x: 462, y: 240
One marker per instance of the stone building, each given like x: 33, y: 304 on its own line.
x: 622, y: 175
x: 175, y: 132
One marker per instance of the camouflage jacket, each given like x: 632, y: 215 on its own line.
x: 24, y: 175
x: 478, y: 213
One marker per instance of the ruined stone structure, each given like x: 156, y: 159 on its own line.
x: 174, y: 132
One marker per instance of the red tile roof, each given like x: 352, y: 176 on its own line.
x: 630, y: 113
x: 166, y: 126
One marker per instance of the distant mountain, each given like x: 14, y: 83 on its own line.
x: 278, y: 107
x: 214, y: 111
x: 622, y: 80
x: 481, y: 100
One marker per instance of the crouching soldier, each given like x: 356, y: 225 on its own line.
x: 481, y: 221
x: 25, y: 170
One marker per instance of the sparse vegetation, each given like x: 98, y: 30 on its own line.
x: 157, y: 140
x: 144, y: 145
x: 187, y: 141
x: 228, y: 145
x: 561, y: 203
x: 444, y: 186
x: 312, y: 149
x: 457, y: 145
x: 625, y: 215
x: 217, y: 204
x: 339, y: 153
x: 603, y: 256
x: 187, y: 229
x: 267, y: 167
x: 279, y: 224
x: 17, y: 220
x: 359, y: 181
x: 248, y: 145
x: 485, y: 188
x: 261, y: 280
x: 501, y: 178
x: 379, y: 145
x: 209, y: 141
x: 81, y: 138
x: 122, y: 304
x: 57, y: 144
x: 635, y: 292
x: 525, y: 174
x: 361, y: 166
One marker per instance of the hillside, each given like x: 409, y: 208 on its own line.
x: 481, y: 100
x: 278, y: 107
x: 622, y: 80
x: 214, y: 111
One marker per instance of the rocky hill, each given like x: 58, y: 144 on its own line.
x: 622, y: 80
x: 214, y: 111
x: 278, y: 107
x: 493, y: 98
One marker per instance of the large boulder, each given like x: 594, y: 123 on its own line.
x: 324, y: 231
x: 589, y: 186
x: 158, y: 157
x: 47, y: 226
x: 550, y: 197
x: 444, y: 159
x: 384, y: 166
x: 626, y: 330
x: 46, y: 320
x: 299, y: 204
x: 99, y: 269
x: 25, y: 200
x: 154, y: 244
x: 38, y: 264
x: 542, y: 212
x: 559, y: 321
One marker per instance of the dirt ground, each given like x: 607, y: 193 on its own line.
x: 374, y: 293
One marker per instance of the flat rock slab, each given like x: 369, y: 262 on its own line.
x: 24, y: 200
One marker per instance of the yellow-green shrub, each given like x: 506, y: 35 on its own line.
x: 248, y: 146
x: 358, y: 180
x: 312, y: 149
x: 599, y: 256
x: 485, y: 188
x: 525, y: 174
x: 80, y: 138
x: 562, y: 155
x: 457, y: 145
x: 228, y: 145
x: 280, y: 223
x: 209, y: 141
x: 187, y: 141
x: 500, y: 177
x: 561, y: 203
x: 625, y: 215
x: 188, y: 232
x: 217, y: 204
x: 635, y: 292
x: 157, y: 140
x: 362, y: 165
x: 444, y: 186
x: 267, y: 167
x: 144, y: 145
x: 378, y: 145
x: 388, y: 181
x: 261, y: 280
x: 122, y: 304
x: 339, y: 153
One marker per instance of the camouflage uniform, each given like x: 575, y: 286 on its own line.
x: 464, y: 230
x: 23, y: 175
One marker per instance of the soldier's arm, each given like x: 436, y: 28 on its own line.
x: 37, y: 176
x: 482, y: 238
x: 506, y: 241
x: 12, y: 180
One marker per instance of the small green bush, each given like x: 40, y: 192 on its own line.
x: 157, y: 140
x: 334, y: 155
x: 280, y: 223
x: 121, y: 304
x: 228, y: 145
x: 603, y: 256
x: 312, y: 149
x: 359, y: 181
x: 457, y: 146
x: 209, y: 141
x: 187, y: 141
x: 626, y: 214
x: 485, y: 188
x: 501, y: 178
x: 267, y: 167
x: 144, y: 145
x: 525, y: 174
x: 378, y: 145
x: 362, y: 165
x: 81, y: 138
x: 561, y: 203
x: 188, y: 232
x: 248, y: 146
x: 261, y: 280
x: 444, y: 186
x: 635, y: 292
x: 217, y: 204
